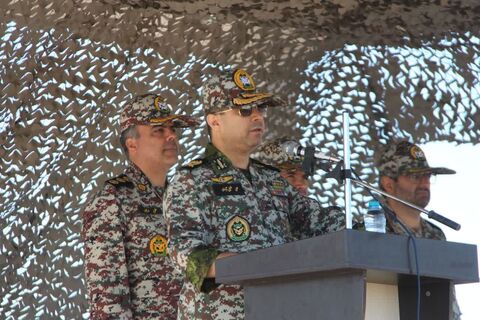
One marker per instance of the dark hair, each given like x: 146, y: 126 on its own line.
x: 130, y: 133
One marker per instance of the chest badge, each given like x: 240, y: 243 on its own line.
x: 238, y: 229
x: 158, y: 245
x: 222, y: 179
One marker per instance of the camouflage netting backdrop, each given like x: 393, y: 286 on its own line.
x: 403, y: 69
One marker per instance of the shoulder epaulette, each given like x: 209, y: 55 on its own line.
x: 193, y: 164
x: 261, y: 164
x: 120, y: 181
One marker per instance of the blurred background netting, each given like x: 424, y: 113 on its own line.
x: 67, y: 67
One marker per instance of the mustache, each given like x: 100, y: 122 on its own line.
x: 423, y: 189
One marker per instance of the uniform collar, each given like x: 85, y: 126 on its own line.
x: 140, y: 180
x: 218, y: 160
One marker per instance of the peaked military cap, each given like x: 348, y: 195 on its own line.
x: 406, y: 158
x: 234, y: 89
x: 150, y: 109
x: 272, y: 153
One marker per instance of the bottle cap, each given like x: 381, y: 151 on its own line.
x: 373, y: 204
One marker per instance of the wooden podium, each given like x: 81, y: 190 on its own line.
x: 326, y: 277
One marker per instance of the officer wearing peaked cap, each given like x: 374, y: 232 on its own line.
x: 406, y: 174
x: 331, y: 218
x: 128, y: 272
x: 226, y: 203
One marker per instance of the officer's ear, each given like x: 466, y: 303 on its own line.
x: 213, y: 121
x: 132, y: 145
x: 387, y: 184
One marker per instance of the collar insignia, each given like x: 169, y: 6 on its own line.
x: 219, y: 164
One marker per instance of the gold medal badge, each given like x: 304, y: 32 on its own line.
x: 243, y: 80
x: 158, y: 245
x: 238, y: 229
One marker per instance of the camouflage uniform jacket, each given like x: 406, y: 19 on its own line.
x: 213, y: 207
x: 428, y: 231
x: 128, y: 274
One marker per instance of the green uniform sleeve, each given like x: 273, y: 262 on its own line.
x: 198, y: 263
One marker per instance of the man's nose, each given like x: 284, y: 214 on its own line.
x: 170, y: 134
x: 256, y: 115
x: 424, y: 180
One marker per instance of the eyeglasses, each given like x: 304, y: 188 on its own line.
x: 247, y: 111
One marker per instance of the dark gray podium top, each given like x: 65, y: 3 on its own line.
x: 383, y: 256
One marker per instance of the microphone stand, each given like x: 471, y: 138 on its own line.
x: 346, y: 171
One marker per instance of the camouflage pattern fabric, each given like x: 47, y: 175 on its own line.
x: 428, y: 231
x: 406, y: 158
x: 213, y: 207
x: 330, y: 219
x: 128, y: 272
x: 234, y: 89
x: 271, y: 152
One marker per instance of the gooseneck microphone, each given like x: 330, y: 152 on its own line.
x: 295, y: 149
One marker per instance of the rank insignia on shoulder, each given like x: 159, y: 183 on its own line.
x: 238, y: 229
x: 228, y: 189
x: 149, y: 210
x: 278, y: 188
x: 222, y: 179
x: 158, y: 245
x: 194, y: 163
x: 142, y: 187
x: 120, y: 181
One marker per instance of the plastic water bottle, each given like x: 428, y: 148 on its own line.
x: 374, y: 219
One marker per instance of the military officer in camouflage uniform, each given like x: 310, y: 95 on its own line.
x: 128, y: 272
x: 291, y: 168
x: 405, y: 173
x: 225, y: 203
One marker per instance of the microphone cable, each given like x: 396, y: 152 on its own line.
x: 391, y: 215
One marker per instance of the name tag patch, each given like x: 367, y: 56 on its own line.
x: 228, y: 189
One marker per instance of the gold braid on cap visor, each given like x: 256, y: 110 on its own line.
x: 250, y: 97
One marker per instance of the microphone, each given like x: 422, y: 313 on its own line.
x: 295, y: 149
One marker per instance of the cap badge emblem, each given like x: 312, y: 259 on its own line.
x: 243, y: 80
x: 160, y: 106
x: 417, y: 153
